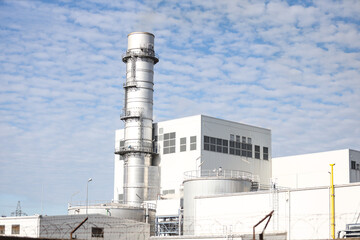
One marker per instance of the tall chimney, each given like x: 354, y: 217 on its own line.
x: 138, y: 117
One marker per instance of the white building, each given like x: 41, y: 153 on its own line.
x: 311, y: 170
x: 199, y: 143
x: 96, y: 227
x: 302, y: 213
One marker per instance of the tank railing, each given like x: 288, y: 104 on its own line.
x: 220, y: 173
x: 91, y: 202
x: 136, y: 204
x: 105, y: 203
x: 141, y: 52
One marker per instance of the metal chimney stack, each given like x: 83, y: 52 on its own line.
x: 138, y: 118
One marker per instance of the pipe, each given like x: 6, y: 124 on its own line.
x: 261, y: 235
x: 71, y: 237
x: 332, y: 202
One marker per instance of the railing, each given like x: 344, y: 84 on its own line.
x: 123, y: 150
x: 128, y: 113
x: 110, y: 203
x: 91, y: 202
x: 144, y: 52
x: 130, y: 84
x: 220, y: 173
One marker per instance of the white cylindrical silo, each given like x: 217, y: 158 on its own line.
x: 207, y: 183
x: 138, y: 117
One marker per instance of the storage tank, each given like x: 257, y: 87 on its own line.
x: 145, y: 213
x: 211, y: 182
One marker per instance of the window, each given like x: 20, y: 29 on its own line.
x: 249, y: 150
x: 225, y: 146
x: 232, y: 147
x: 215, y: 144
x: 249, y: 140
x: 353, y: 165
x: 170, y: 191
x: 121, y: 197
x: 15, y: 229
x: 257, y: 152
x: 2, y: 229
x: 169, y: 142
x: 243, y: 149
x: 161, y: 131
x: 240, y: 148
x: 237, y: 138
x: 183, y: 144
x: 265, y: 153
x: 244, y: 139
x: 232, y: 137
x: 97, y: 232
x: 122, y: 143
x: 192, y: 143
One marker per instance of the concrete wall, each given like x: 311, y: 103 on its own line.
x: 302, y: 213
x: 310, y: 170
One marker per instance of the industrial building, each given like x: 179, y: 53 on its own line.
x: 199, y: 144
x: 201, y: 177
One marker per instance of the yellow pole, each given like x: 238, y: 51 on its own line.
x: 332, y: 201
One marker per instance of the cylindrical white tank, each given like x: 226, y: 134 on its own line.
x: 208, y: 183
x: 141, y: 214
x: 138, y: 117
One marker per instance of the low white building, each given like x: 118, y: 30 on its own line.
x: 302, y: 213
x: 96, y: 227
x: 300, y: 200
x: 311, y: 170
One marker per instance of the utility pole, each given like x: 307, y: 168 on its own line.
x: 332, y: 201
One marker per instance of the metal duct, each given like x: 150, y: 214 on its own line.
x: 138, y: 117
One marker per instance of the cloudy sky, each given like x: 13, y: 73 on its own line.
x: 292, y: 67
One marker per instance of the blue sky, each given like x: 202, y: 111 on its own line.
x: 293, y: 67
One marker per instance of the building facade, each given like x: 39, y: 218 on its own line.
x: 311, y: 170
x: 202, y: 143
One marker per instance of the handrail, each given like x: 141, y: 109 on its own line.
x: 134, y: 149
x: 144, y: 52
x: 220, y: 173
x: 131, y: 112
x: 102, y: 203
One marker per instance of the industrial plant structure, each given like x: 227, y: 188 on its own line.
x: 201, y: 177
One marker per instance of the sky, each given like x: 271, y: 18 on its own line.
x: 289, y: 66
